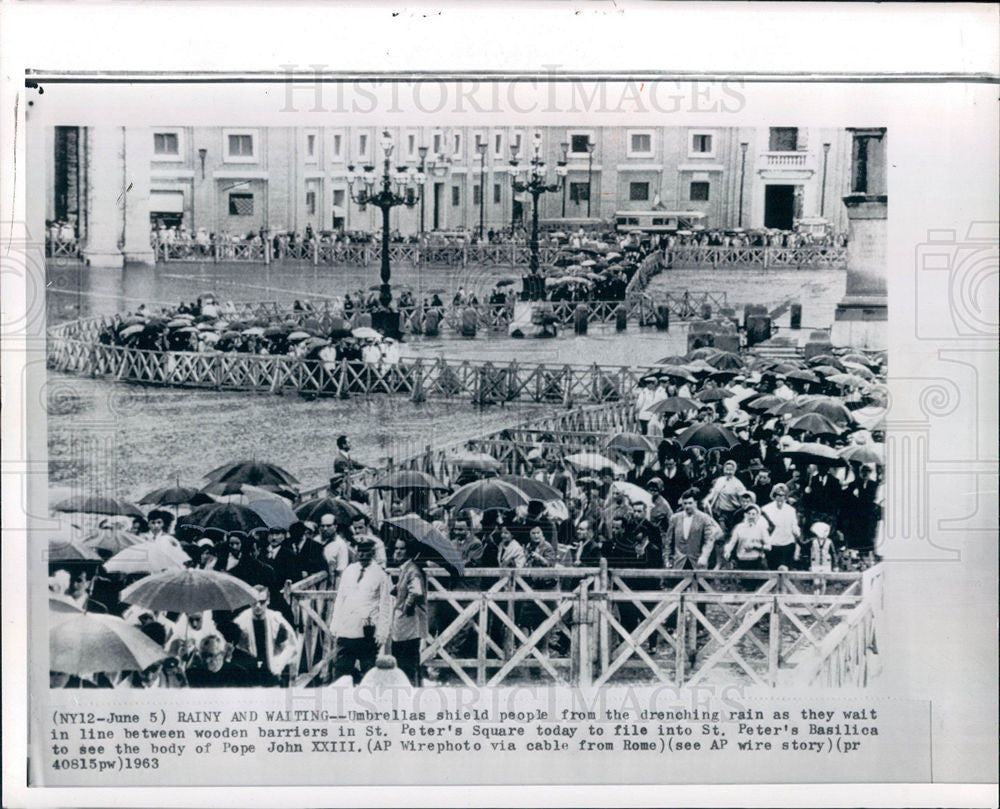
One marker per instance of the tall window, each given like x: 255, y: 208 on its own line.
x: 476, y: 195
x: 241, y: 204
x: 579, y: 192
x: 498, y: 145
x: 338, y: 197
x: 411, y: 145
x: 783, y: 139
x: 338, y: 147
x: 701, y: 144
x: 638, y: 192
x: 699, y: 192
x: 311, y: 203
x: 166, y: 143
x: 362, y: 146
x: 311, y: 145
x: 515, y: 144
x: 496, y: 193
x: 456, y: 142
x: 437, y: 143
x: 456, y: 195
x: 241, y: 145
x: 640, y: 144
x: 578, y: 144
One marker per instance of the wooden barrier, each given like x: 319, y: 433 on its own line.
x: 594, y: 626
x: 806, y: 257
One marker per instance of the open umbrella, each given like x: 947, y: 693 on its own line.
x: 111, y: 506
x: 243, y: 493
x: 816, y: 424
x: 707, y: 436
x: 633, y: 493
x: 344, y: 512
x: 630, y: 442
x: 673, y: 359
x: 825, y: 370
x: 815, y: 453
x: 89, y: 643
x: 860, y: 359
x: 723, y: 376
x: 726, y: 361
x: 478, y: 461
x: 366, y: 333
x: 858, y: 369
x: 830, y: 408
x: 595, y: 462
x: 190, y: 590
x: 256, y: 473
x: 535, y: 489
x: 147, y: 557
x: 674, y: 404
x: 506, y: 282
x: 847, y: 380
x: 63, y: 605
x: 409, y: 479
x: 112, y: 541
x: 826, y: 359
x: 220, y: 516
x: 702, y: 353
x: 713, y: 395
x: 487, y: 494
x: 169, y: 496
x: 275, y: 512
x: 802, y: 376
x: 131, y: 331
x: 68, y: 550
x: 675, y: 372
x: 437, y: 545
x: 296, y: 336
x: 864, y: 453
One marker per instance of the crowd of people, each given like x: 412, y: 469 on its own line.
x: 734, y: 462
x: 763, y: 237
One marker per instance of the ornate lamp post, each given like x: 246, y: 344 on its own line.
x: 590, y: 172
x: 422, y: 151
x: 397, y: 189
x: 822, y: 193
x: 743, y: 168
x: 565, y: 153
x: 531, y: 178
x: 481, y: 148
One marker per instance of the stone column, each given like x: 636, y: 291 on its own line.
x: 861, y: 318
x: 138, y: 155
x: 105, y: 173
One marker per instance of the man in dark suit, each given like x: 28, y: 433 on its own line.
x: 237, y: 560
x: 675, y: 482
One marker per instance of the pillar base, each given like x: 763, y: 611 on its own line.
x: 140, y: 256
x: 109, y: 260
x: 861, y: 322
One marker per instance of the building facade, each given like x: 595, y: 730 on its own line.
x: 113, y: 182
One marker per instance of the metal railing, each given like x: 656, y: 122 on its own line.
x: 807, y: 257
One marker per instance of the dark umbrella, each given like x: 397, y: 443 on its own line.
x: 409, y: 479
x: 676, y: 372
x: 826, y: 359
x: 256, y: 473
x: 630, y: 442
x: 437, y: 545
x: 703, y: 353
x: 864, y: 453
x: 763, y: 403
x: 674, y: 404
x: 169, y: 496
x: 726, y: 361
x: 487, y: 494
x: 707, y: 436
x: 535, y: 489
x: 833, y: 409
x: 275, y: 513
x: 476, y: 461
x: 344, y: 512
x: 222, y: 517
x: 723, y: 376
x: 713, y: 395
x: 816, y: 424
x: 112, y: 541
x: 672, y: 360
x: 815, y: 453
x: 111, y: 506
x: 802, y: 376
x: 67, y: 550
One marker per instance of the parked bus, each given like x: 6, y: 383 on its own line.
x: 659, y: 221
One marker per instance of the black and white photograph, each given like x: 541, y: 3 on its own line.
x: 564, y: 420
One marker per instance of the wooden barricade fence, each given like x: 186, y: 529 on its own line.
x: 805, y: 257
x: 603, y: 626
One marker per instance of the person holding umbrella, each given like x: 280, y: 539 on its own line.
x: 409, y: 626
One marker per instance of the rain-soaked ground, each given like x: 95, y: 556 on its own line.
x: 129, y: 438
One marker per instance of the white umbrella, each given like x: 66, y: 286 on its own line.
x: 147, y: 557
x: 633, y: 493
x: 365, y: 333
x: 595, y: 462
